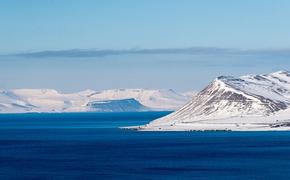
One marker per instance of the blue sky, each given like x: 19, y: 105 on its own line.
x: 119, y: 24
x: 33, y: 25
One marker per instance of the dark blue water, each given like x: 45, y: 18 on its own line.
x: 90, y: 146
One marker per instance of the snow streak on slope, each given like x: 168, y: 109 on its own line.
x: 233, y: 101
x: 50, y: 100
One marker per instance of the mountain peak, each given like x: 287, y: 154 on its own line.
x: 228, y: 98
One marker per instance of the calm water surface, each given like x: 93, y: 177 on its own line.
x: 90, y: 146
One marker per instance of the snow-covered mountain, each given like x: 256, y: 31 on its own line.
x: 50, y: 100
x: 229, y: 103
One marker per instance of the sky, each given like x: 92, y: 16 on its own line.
x: 179, y: 44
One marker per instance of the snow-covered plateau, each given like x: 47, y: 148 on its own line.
x: 247, y: 103
x: 114, y: 100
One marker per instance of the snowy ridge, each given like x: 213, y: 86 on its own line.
x: 252, y: 102
x: 50, y: 100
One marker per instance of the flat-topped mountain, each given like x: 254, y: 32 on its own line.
x: 119, y: 105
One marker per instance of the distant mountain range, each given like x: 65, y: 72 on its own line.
x: 251, y: 102
x: 114, y: 100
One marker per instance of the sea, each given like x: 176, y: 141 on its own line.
x: 92, y: 146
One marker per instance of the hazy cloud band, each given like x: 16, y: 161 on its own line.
x: 78, y: 53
